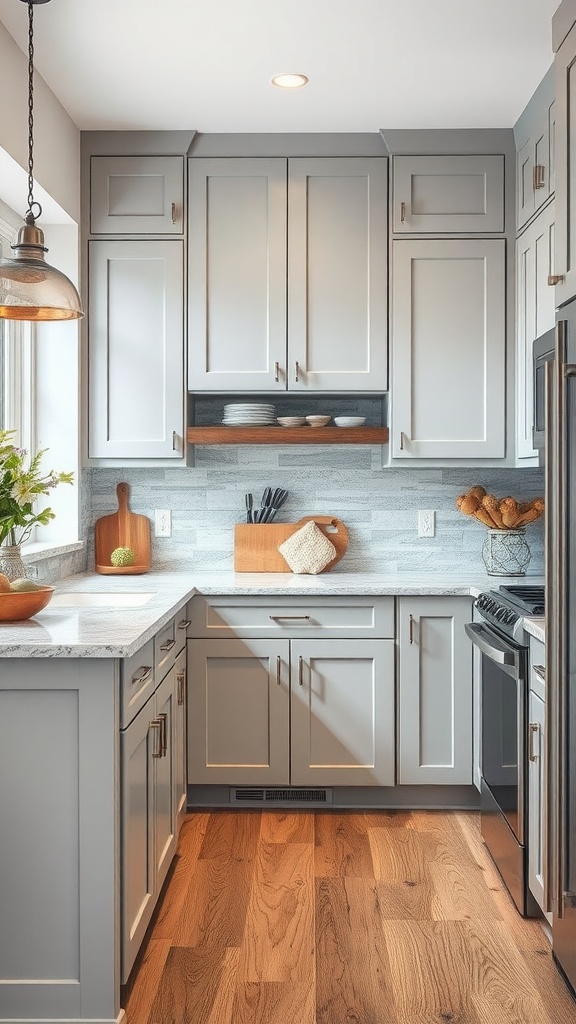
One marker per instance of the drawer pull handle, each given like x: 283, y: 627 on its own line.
x: 276, y: 372
x: 297, y: 371
x: 300, y: 668
x: 163, y: 732
x: 533, y: 729
x: 402, y: 212
x: 157, y: 726
x: 180, y: 690
x: 411, y: 630
x: 555, y: 279
x: 278, y: 667
x: 173, y: 212
x: 184, y: 623
x: 538, y: 176
x: 300, y: 618
x: 145, y: 673
x: 168, y: 645
x: 539, y: 671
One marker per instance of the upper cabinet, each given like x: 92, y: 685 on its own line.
x: 448, y: 348
x: 565, y: 244
x: 448, y: 194
x: 137, y: 195
x: 287, y: 274
x: 534, y: 133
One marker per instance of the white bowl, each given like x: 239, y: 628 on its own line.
x: 318, y: 421
x: 291, y: 421
x: 349, y: 421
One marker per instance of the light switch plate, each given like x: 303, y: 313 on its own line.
x: 162, y: 522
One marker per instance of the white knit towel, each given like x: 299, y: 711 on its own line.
x: 308, y: 550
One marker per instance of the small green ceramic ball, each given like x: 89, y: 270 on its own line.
x: 122, y: 556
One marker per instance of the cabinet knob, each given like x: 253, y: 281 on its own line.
x: 555, y: 279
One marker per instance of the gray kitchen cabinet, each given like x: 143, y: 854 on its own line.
x: 534, y: 133
x: 239, y: 693
x: 342, y: 712
x: 136, y: 195
x: 537, y: 851
x: 148, y: 811
x: 287, y: 274
x: 293, y: 691
x: 448, y: 348
x: 136, y: 406
x: 435, y: 691
x: 535, y: 314
x: 565, y: 235
x: 448, y: 194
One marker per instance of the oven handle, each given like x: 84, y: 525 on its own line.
x: 491, y: 646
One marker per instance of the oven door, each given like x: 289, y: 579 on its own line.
x: 503, y: 714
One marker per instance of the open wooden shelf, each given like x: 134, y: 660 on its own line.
x: 287, y: 435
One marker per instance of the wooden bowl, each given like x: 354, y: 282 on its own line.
x: 15, y: 606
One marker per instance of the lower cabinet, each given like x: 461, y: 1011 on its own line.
x: 153, y: 800
x: 434, y: 691
x: 536, y: 781
x: 291, y: 712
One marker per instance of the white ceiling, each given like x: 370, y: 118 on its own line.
x: 207, y: 64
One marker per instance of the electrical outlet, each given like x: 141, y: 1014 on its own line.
x: 163, y: 522
x: 426, y: 522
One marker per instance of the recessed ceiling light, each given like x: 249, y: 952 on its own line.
x: 289, y: 81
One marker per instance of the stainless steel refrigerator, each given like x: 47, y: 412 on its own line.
x: 555, y: 390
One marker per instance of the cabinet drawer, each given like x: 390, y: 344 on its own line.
x: 137, y: 682
x: 182, y: 621
x: 448, y: 193
x: 221, y: 617
x: 165, y: 649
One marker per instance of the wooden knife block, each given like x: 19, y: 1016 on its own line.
x: 256, y: 544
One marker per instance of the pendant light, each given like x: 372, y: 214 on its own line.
x: 30, y: 289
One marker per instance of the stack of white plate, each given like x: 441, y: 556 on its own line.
x: 249, y: 414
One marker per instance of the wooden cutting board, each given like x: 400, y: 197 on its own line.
x: 122, y: 529
x: 256, y: 544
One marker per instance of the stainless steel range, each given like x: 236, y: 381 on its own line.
x: 503, y: 646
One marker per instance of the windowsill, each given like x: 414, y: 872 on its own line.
x: 36, y: 552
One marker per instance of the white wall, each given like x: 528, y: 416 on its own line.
x: 56, y: 137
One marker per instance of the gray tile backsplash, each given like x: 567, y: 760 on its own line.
x: 379, y: 507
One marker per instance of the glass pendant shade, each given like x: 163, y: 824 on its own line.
x: 30, y: 289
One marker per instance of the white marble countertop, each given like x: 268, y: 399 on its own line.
x: 535, y: 627
x: 113, y: 631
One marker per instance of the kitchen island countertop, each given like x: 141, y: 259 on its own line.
x: 112, y: 631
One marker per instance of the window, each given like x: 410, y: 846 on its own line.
x: 16, y: 356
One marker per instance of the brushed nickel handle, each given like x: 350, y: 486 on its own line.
x: 184, y: 623
x: 297, y: 371
x: 300, y: 671
x: 278, y: 667
x: 276, y: 618
x: 276, y: 372
x: 555, y: 279
x: 411, y: 629
x: 538, y: 176
x: 533, y: 729
x: 180, y: 677
x: 402, y: 212
x: 173, y: 212
x: 539, y: 671
x: 145, y: 673
x: 163, y: 732
x: 402, y: 436
x: 168, y: 645
x: 155, y: 726
x: 174, y: 436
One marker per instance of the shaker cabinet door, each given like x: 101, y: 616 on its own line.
x: 448, y: 348
x: 436, y: 194
x: 137, y: 195
x: 136, y: 357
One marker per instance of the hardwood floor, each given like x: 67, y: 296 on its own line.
x: 342, y: 918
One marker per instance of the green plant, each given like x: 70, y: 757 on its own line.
x: 21, y: 484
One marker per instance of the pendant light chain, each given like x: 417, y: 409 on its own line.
x: 30, y: 217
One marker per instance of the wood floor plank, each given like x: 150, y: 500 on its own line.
x: 274, y: 1003
x: 402, y: 860
x: 352, y: 968
x: 190, y: 987
x: 341, y: 846
x: 213, y: 912
x: 190, y: 843
x: 231, y: 834
x: 147, y: 979
x: 287, y: 827
x: 278, y: 940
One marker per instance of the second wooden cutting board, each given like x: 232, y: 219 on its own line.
x: 122, y: 529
